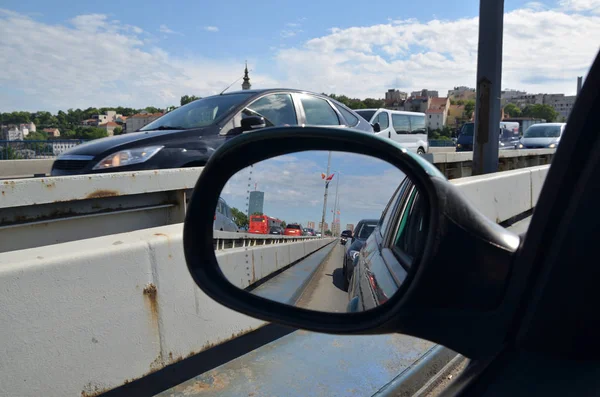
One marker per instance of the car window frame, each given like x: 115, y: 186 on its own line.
x: 408, y: 132
x: 389, y: 209
x: 387, y: 117
x: 404, y: 259
x: 294, y: 107
x: 341, y: 107
x: 298, y: 98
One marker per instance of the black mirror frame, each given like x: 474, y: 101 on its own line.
x: 376, y: 127
x: 459, y: 303
x: 253, y: 126
x: 249, y: 149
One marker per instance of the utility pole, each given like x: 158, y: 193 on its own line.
x: 335, y: 203
x: 489, y: 79
x: 325, y: 197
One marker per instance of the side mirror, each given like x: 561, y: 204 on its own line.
x: 376, y: 127
x: 425, y: 289
x: 250, y: 123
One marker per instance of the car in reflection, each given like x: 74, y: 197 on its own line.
x: 293, y: 229
x: 345, y: 235
x: 276, y: 230
x: 542, y: 136
x: 188, y: 135
x: 309, y: 232
x: 383, y: 262
x: 362, y: 231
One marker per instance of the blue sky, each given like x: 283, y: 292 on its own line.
x: 294, y: 188
x: 139, y: 53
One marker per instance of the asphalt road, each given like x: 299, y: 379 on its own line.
x: 324, y: 292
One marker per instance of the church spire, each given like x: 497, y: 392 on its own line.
x: 246, y: 84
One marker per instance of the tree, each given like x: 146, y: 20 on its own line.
x: 241, y: 219
x: 257, y: 213
x: 117, y: 131
x: 152, y: 109
x: 460, y: 102
x: 469, y: 109
x: 538, y: 111
x: 512, y: 110
x: 187, y: 99
x: 283, y: 224
x: 328, y: 233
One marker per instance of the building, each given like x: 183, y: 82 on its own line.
x: 350, y: 227
x: 335, y: 228
x: 561, y: 103
x: 426, y: 93
x: 109, y: 127
x: 395, y: 98
x: 52, y: 132
x: 326, y: 226
x: 139, y: 120
x: 507, y: 96
x: 437, y: 113
x: 310, y: 224
x: 256, y: 202
x: 462, y: 92
x: 246, y: 84
x: 13, y: 134
x: 417, y: 104
x: 456, y: 116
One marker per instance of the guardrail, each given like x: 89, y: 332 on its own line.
x: 86, y: 316
x: 441, y: 143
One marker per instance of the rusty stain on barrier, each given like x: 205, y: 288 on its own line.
x: 102, y: 193
x: 92, y: 390
x: 150, y: 293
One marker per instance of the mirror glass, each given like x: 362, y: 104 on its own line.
x: 325, y: 231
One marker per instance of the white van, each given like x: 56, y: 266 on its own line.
x: 406, y: 128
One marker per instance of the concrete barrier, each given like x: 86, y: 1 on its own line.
x: 86, y: 316
x: 24, y: 168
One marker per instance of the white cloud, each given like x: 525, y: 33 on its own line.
x: 544, y: 51
x: 95, y: 61
x: 211, y: 28
x: 165, y: 29
x: 581, y: 5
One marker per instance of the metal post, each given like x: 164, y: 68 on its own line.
x: 489, y: 79
x: 335, y: 203
x: 325, y: 197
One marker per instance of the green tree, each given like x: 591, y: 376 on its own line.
x: 371, y: 103
x: 187, y: 99
x: 117, y: 131
x: 241, y: 219
x: 538, y: 111
x: 152, y: 109
x: 257, y: 213
x: 328, y: 233
x: 460, y: 102
x: 283, y: 224
x: 469, y: 109
x: 512, y: 110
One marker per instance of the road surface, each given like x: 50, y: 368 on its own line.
x: 324, y: 292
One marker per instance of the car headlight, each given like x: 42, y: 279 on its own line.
x: 128, y: 157
x: 353, y: 254
x: 520, y: 146
x: 552, y: 145
x: 458, y: 145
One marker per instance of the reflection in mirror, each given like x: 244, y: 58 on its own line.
x: 301, y: 229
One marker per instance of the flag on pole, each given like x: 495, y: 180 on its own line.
x: 323, y: 175
x: 330, y: 177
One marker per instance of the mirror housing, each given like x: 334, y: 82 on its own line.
x: 443, y: 299
x: 376, y: 127
x: 250, y: 123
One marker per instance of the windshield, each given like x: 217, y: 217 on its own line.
x: 543, y: 131
x: 467, y: 129
x: 366, y: 230
x: 293, y: 227
x: 199, y: 113
x: 366, y: 114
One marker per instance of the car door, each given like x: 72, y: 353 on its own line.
x: 401, y: 125
x: 383, y: 118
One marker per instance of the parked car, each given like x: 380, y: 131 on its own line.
x: 546, y: 135
x: 224, y: 219
x: 188, y: 135
x: 406, y: 128
x: 362, y: 231
x: 276, y: 230
x: 293, y: 229
x: 345, y: 235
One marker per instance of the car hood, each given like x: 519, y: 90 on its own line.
x: 101, y: 145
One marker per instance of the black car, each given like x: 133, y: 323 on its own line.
x: 345, y: 235
x: 506, y: 138
x: 362, y: 231
x: 187, y: 136
x: 377, y: 273
x: 276, y: 230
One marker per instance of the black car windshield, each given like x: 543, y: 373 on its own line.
x: 365, y: 231
x: 366, y: 114
x: 200, y: 113
x: 542, y: 131
x: 467, y: 129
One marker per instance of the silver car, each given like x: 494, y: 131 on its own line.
x: 539, y: 136
x: 224, y: 219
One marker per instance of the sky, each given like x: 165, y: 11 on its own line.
x: 294, y: 188
x: 149, y: 53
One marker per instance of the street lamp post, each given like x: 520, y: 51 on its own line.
x: 335, y: 203
x: 325, y: 198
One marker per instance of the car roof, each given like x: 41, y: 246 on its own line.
x: 553, y: 124
x: 267, y: 90
x: 368, y: 221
